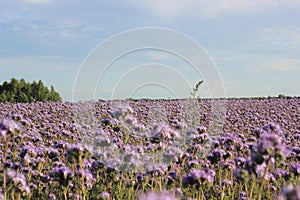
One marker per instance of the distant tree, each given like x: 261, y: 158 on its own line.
x: 22, y: 92
x: 281, y: 96
x: 54, y: 96
x: 3, y: 97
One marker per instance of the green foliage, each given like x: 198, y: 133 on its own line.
x: 21, y: 91
x: 282, y: 96
x: 195, y: 90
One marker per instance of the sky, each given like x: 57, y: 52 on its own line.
x: 100, y: 49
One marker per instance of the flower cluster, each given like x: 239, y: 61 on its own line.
x: 93, y: 150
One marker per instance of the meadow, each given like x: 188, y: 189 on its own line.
x: 150, y: 149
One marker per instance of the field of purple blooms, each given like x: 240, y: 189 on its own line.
x: 255, y: 156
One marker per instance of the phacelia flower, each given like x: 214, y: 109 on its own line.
x: 63, y: 174
x: 198, y: 176
x: 290, y: 193
x: 164, y: 195
x: 295, y: 168
x: 8, y: 127
x: 76, y: 152
x: 105, y: 195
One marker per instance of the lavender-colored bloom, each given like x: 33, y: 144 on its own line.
x: 270, y: 145
x: 243, y: 196
x: 216, y: 155
x: 61, y: 144
x: 227, y: 164
x: 52, y: 153
x: 8, y: 127
x: 106, y: 121
x: 279, y: 173
x: 164, y: 195
x: 178, y: 192
x: 260, y: 169
x: 63, y: 174
x: 141, y: 177
x: 105, y: 195
x: 201, y: 129
x: 226, y: 182
x: 88, y: 178
x: 120, y: 112
x: 52, y: 196
x: 290, y: 193
x: 75, y: 153
x: 74, y: 196
x: 18, y: 180
x: 272, y: 128
x: 199, y: 176
x: 188, y: 180
x: 241, y: 174
x: 239, y: 161
x: 193, y: 163
x: 173, y: 175
x: 295, y: 168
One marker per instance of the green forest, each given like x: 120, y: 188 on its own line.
x: 20, y: 91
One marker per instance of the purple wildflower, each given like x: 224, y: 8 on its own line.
x: 290, y: 193
x: 63, y: 174
x: 19, y: 181
x: 52, y: 196
x: 226, y: 182
x: 295, y: 168
x: 216, y: 155
x: 105, y: 195
x: 199, y: 176
x: 239, y: 161
x: 8, y: 127
x: 164, y: 195
x: 88, y: 178
x: 75, y: 153
x: 241, y: 174
x: 273, y: 128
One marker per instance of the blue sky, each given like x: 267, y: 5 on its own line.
x: 255, y: 45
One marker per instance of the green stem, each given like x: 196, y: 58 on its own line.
x: 4, y: 170
x: 65, y: 193
x: 263, y: 179
x: 252, y: 188
x: 82, y: 181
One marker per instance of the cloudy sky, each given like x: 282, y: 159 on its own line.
x: 253, y: 46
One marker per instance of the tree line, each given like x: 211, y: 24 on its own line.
x: 20, y: 91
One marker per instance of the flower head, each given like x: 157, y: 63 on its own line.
x: 164, y: 195
x: 105, y: 195
x: 19, y: 181
x: 295, y: 168
x: 8, y: 127
x: 290, y: 193
x: 76, y: 152
x: 198, y: 176
x: 63, y: 174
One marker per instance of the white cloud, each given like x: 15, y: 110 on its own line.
x: 36, y: 62
x: 159, y: 55
x: 209, y: 8
x: 281, y: 64
x: 67, y: 23
x: 38, y: 1
x: 289, y: 37
x: 165, y: 8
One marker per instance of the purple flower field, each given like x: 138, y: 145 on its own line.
x: 99, y: 151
